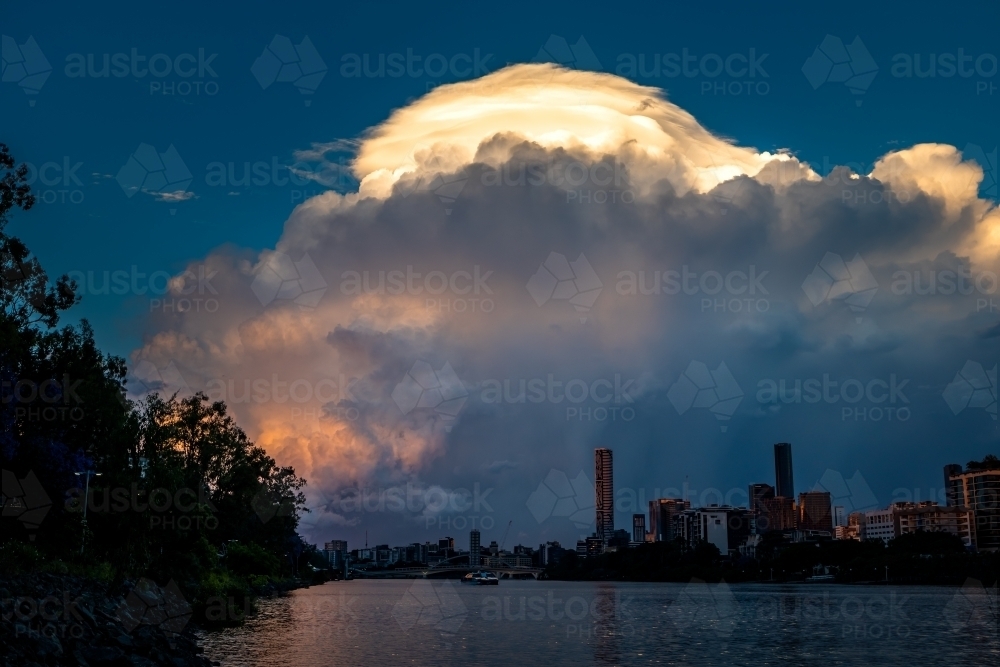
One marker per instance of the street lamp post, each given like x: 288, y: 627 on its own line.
x: 86, y: 498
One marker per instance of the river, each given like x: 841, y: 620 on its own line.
x: 435, y: 622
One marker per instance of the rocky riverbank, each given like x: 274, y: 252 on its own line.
x: 55, y: 620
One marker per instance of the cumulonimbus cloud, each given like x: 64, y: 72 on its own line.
x: 588, y: 114
x: 312, y: 381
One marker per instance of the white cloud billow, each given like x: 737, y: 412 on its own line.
x: 782, y: 220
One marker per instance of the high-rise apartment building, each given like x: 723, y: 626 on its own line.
x: 905, y: 517
x: 757, y: 494
x: 549, y: 553
x: 977, y: 489
x: 815, y: 511
x: 784, y: 484
x: 778, y: 514
x: 336, y: 552
x: 726, y: 527
x: 605, y: 494
x: 638, y: 527
x: 661, y: 513
x: 950, y: 470
x: 930, y: 517
x: 686, y: 526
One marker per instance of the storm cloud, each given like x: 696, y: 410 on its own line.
x: 544, y: 261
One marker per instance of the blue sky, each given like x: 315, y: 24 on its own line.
x: 100, y: 122
x: 85, y: 221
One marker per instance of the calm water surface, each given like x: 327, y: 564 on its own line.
x: 434, y: 622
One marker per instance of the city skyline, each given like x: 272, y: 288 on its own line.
x: 347, y: 333
x: 813, y: 510
x: 755, y: 315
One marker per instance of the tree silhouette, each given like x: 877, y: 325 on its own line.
x: 25, y: 294
x: 989, y: 462
x: 189, y: 448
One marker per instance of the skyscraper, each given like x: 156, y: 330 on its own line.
x: 784, y: 485
x: 605, y: 494
x: 778, y: 513
x: 815, y: 511
x: 474, y: 548
x: 758, y: 493
x: 977, y: 488
x: 950, y: 490
x: 336, y: 551
x: 661, y: 516
x: 638, y: 527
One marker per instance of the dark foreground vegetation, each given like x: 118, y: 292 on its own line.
x: 153, y: 516
x: 86, y: 624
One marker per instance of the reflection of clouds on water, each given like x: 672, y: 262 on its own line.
x: 354, y: 622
